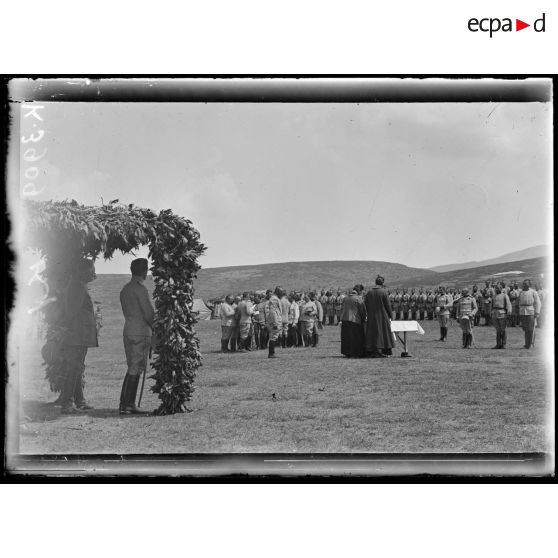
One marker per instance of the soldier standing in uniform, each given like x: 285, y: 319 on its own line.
x: 227, y: 325
x: 285, y: 305
x: 339, y: 306
x: 404, y: 305
x: 391, y: 298
x: 308, y: 314
x: 421, y: 304
x: 330, y: 308
x: 413, y: 303
x: 318, y: 320
x: 443, y: 303
x: 245, y: 311
x: 430, y: 304
x: 465, y: 314
x: 294, y: 314
x: 81, y: 333
x: 514, y: 299
x: 501, y: 309
x: 139, y: 315
x: 274, y: 318
x: 323, y: 302
x: 529, y: 310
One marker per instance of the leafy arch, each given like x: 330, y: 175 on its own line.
x: 64, y: 232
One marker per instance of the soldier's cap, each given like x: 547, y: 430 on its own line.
x: 465, y: 291
x: 139, y: 266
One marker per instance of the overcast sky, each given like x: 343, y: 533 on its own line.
x: 418, y: 184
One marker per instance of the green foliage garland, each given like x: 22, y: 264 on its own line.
x: 65, y: 231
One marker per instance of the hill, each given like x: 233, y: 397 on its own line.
x: 518, y: 270
x: 217, y: 281
x: 527, y: 254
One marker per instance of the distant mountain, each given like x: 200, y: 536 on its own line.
x: 528, y: 253
x: 508, y: 271
x: 213, y: 282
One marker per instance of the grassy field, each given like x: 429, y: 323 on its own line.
x: 444, y: 399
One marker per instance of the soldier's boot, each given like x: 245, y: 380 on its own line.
x: 464, y: 340
x: 284, y: 341
x: 129, y: 407
x: 124, y: 390
x: 441, y: 334
x: 469, y: 340
x: 224, y: 348
x: 67, y: 395
x: 503, y: 340
x: 528, y: 337
x: 315, y: 339
x: 248, y: 344
x: 498, y: 341
x: 233, y: 345
x: 271, y: 346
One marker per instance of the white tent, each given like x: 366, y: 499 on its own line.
x: 204, y: 313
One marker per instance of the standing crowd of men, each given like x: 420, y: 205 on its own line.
x: 277, y: 319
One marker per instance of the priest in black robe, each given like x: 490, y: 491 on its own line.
x: 379, y: 338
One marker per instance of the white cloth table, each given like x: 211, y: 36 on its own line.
x: 405, y: 326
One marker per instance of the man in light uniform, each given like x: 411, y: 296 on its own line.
x: 274, y: 320
x: 529, y: 310
x: 308, y: 314
x: 413, y: 304
x: 405, y: 304
x: 294, y: 313
x: 285, y: 306
x: 317, y: 321
x: 397, y: 305
x: 339, y: 306
x: 139, y: 315
x: 245, y: 310
x: 391, y: 298
x: 430, y: 304
x: 465, y: 311
x: 443, y: 303
x: 501, y: 309
x: 227, y: 325
x: 514, y: 299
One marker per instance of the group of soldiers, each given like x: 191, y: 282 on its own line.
x: 421, y: 304
x: 275, y: 318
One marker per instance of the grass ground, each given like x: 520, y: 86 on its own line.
x: 444, y: 399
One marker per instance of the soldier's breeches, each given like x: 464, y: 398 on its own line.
x: 274, y: 333
x: 466, y: 325
x: 245, y: 330
x: 74, y: 366
x: 136, y: 348
x: 500, y: 324
x: 443, y: 320
x: 226, y: 332
x: 307, y: 327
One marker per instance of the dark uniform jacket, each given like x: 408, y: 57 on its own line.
x: 79, y: 316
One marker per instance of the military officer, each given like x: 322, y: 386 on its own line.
x: 443, y: 303
x: 413, y: 304
x: 465, y: 313
x: 514, y: 299
x: 339, y: 305
x: 323, y: 301
x: 405, y: 304
x: 139, y: 315
x: 81, y: 333
x: 501, y: 309
x: 529, y: 310
x: 330, y: 307
x: 274, y: 321
x: 397, y: 305
x: 421, y: 304
x: 391, y: 298
x: 246, y: 310
x: 430, y: 297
